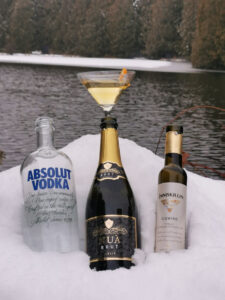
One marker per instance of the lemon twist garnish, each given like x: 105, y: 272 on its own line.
x: 123, y: 74
x: 124, y: 78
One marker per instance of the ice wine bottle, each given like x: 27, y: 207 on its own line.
x: 111, y: 214
x: 171, y: 202
x: 50, y: 213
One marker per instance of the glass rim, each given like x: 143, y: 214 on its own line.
x: 44, y: 122
x: 106, y: 74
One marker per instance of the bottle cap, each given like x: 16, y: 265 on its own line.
x: 108, y: 122
x: 177, y: 128
x: 44, y: 123
x: 174, y: 139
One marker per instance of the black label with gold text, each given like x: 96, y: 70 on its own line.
x: 111, y: 237
x: 110, y: 170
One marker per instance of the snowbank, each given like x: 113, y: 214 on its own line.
x: 102, y: 63
x: 196, y: 273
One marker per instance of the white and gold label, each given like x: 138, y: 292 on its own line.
x: 171, y: 217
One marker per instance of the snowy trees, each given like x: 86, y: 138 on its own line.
x: 4, y: 21
x: 193, y: 29
x: 188, y: 26
x: 209, y: 42
x: 21, y: 27
x: 123, y: 29
x: 92, y: 37
x: 162, y: 38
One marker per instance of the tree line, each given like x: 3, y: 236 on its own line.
x: 191, y: 29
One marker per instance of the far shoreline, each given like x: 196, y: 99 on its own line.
x: 137, y: 64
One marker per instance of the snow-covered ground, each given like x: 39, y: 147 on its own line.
x: 196, y: 273
x: 103, y: 63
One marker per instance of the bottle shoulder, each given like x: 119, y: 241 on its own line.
x: 28, y: 160
x: 111, y: 186
x: 63, y: 154
x: 45, y: 157
x: 172, y: 173
x: 110, y: 197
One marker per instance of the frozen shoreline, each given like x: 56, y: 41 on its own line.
x: 103, y: 63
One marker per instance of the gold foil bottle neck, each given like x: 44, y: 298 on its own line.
x: 110, y: 151
x: 173, y: 142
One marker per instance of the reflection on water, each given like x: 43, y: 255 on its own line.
x: 152, y: 100
x: 2, y: 156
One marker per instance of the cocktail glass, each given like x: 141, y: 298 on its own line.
x: 106, y: 86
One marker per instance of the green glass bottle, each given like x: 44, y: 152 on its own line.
x: 171, y: 202
x: 111, y: 214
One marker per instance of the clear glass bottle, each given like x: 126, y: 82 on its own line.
x: 171, y: 202
x: 50, y: 212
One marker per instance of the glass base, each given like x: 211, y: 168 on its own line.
x: 107, y: 108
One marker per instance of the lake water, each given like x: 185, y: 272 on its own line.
x: 153, y: 99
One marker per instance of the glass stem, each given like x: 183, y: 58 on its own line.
x: 107, y: 113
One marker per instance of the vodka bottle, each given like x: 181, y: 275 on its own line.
x: 50, y: 212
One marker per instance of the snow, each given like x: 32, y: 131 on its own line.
x: 196, y: 273
x: 102, y: 63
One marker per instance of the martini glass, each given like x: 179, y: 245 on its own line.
x: 106, y: 86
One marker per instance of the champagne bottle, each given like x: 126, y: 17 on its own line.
x: 171, y: 202
x: 50, y: 214
x: 111, y: 214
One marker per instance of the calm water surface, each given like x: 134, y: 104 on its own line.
x: 27, y: 92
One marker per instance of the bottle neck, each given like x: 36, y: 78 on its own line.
x: 173, y: 149
x: 173, y: 158
x: 45, y: 138
x: 109, y: 150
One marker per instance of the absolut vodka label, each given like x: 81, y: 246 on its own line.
x: 49, y: 178
x: 49, y: 195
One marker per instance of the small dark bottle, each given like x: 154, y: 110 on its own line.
x: 171, y: 202
x: 111, y: 214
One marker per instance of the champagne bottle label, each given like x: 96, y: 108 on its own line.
x: 109, y: 170
x: 111, y: 237
x: 171, y: 216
